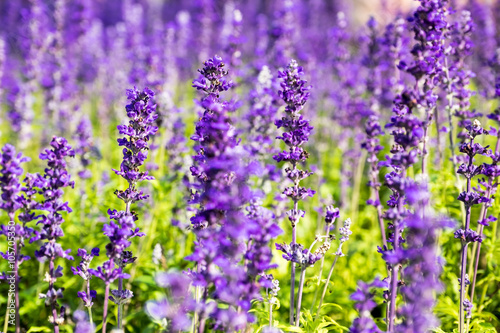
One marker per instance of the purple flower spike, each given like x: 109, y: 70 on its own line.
x: 51, y: 186
x: 142, y: 116
x: 222, y: 229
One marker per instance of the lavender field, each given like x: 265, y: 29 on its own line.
x: 249, y: 166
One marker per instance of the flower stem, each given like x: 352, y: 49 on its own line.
x: 326, y: 286
x: 320, y: 274
x: 299, y: 295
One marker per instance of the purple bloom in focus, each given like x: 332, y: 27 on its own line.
x: 51, y: 186
x: 142, y: 116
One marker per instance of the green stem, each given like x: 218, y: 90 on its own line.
x: 299, y: 295
x: 326, y: 286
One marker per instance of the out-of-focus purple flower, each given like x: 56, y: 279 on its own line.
x: 363, y: 297
x: 82, y: 322
x: 422, y: 273
x: 261, y: 115
x: 221, y: 227
x: 84, y: 146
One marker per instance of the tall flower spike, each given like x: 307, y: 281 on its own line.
x: 10, y: 187
x: 51, y: 186
x: 470, y: 199
x: 221, y: 227
x: 141, y: 126
x: 422, y: 274
x: 429, y: 26
x: 296, y: 132
x: 142, y: 116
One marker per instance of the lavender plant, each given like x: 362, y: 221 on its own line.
x: 51, y: 184
x: 121, y: 228
x: 221, y: 227
x: 10, y: 187
x: 295, y: 94
x: 469, y: 198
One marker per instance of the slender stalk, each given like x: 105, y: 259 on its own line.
x: 476, y: 248
x: 320, y: 274
x: 440, y: 150
x: 394, y: 284
x: 464, y: 260
x: 292, y: 279
x: 105, y: 310
x: 326, y: 286
x: 423, y: 170
x: 380, y: 218
x: 462, y: 288
x: 51, y: 286
x: 120, y: 280
x: 449, y: 109
x: 299, y: 295
x: 89, y: 308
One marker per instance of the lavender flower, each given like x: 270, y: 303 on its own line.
x: 365, y: 304
x: 372, y: 146
x: 83, y: 271
x: 429, y: 26
x: 10, y: 187
x: 83, y: 137
x: 487, y: 188
x: 121, y: 228
x: 174, y: 308
x: 142, y: 114
x: 220, y: 226
x: 82, y: 323
x: 51, y: 186
x: 421, y: 275
x: 297, y: 130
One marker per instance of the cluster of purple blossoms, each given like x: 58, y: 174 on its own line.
x: 461, y: 47
x: 264, y: 104
x: 83, y: 271
x: 11, y: 201
x: 424, y: 265
x: 225, y: 235
x: 429, y: 25
x: 469, y: 198
x: 10, y: 185
x: 373, y: 147
x: 487, y: 188
x: 296, y: 132
x: 51, y: 184
x: 142, y: 115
